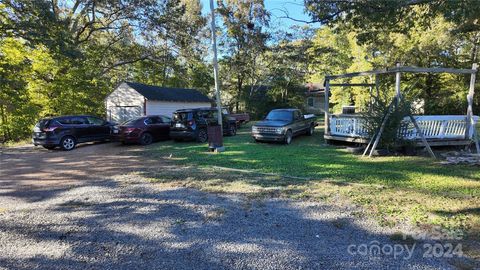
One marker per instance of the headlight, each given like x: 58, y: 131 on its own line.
x: 254, y: 129
x: 279, y: 130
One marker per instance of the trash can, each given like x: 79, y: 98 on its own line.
x: 215, y: 138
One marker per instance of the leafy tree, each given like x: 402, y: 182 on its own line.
x: 335, y: 51
x: 16, y: 109
x: 374, y: 15
x: 245, y: 39
x: 417, y: 33
x: 280, y: 75
x: 71, y: 54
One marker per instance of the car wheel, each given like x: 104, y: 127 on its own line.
x: 49, y: 147
x: 288, y: 137
x: 311, y: 130
x: 68, y: 143
x: 202, y: 136
x: 146, y: 139
x: 232, y: 131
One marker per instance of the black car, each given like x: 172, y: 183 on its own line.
x: 191, y: 124
x: 68, y: 131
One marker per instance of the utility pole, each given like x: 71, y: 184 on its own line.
x: 215, y: 65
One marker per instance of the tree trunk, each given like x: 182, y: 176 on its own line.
x: 474, y: 54
x: 429, y: 81
x: 239, y: 93
x: 6, y: 133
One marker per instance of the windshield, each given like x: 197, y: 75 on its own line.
x: 279, y: 116
x: 131, y: 121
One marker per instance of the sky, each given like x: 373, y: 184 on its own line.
x: 277, y: 9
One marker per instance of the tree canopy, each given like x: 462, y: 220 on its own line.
x: 64, y: 57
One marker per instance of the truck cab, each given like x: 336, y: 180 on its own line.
x: 281, y: 125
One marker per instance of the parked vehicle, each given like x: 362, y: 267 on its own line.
x: 282, y: 125
x: 68, y: 131
x: 191, y: 124
x: 240, y: 118
x: 143, y: 130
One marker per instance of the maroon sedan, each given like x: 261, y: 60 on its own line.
x: 143, y: 130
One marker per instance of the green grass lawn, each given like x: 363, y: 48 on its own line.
x: 415, y: 190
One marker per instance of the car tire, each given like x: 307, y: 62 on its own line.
x: 232, y: 131
x: 68, y: 143
x: 146, y: 138
x: 49, y: 147
x: 202, y: 136
x: 288, y: 137
x: 311, y: 130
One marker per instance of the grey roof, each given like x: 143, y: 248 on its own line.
x: 152, y: 92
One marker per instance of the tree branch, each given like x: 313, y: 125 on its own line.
x: 122, y: 63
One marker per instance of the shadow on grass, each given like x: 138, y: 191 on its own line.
x: 468, y: 210
x: 310, y: 158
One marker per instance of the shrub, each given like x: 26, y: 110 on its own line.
x: 375, y: 115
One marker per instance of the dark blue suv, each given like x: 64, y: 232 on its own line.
x: 191, y: 124
x: 67, y: 131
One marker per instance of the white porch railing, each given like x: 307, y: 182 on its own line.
x: 432, y: 126
x: 348, y: 125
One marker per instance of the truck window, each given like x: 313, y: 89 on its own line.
x: 279, y: 116
x: 298, y: 115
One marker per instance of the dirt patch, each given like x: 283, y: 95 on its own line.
x: 25, y: 170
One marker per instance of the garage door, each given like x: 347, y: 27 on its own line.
x: 121, y: 114
x: 167, y: 108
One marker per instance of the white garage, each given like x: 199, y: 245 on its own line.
x: 131, y: 100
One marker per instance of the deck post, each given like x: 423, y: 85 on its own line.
x: 471, y: 92
x: 327, y: 107
x: 476, y: 138
x: 422, y: 136
x: 398, y: 94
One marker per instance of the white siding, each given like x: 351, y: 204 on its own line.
x: 167, y: 108
x: 124, y: 103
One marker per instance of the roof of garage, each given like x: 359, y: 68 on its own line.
x: 152, y: 92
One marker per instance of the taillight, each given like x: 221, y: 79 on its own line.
x: 49, y: 129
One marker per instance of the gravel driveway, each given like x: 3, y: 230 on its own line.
x: 82, y: 210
